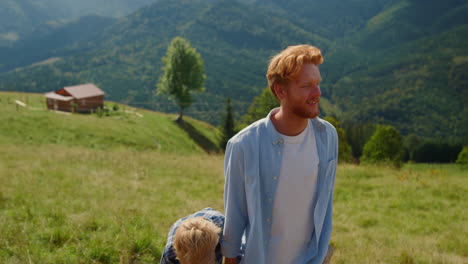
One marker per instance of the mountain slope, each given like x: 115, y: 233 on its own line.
x: 54, y: 41
x: 18, y: 18
x: 390, y: 61
x: 126, y: 127
x: 234, y: 40
x: 416, y: 81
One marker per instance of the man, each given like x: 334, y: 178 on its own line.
x: 194, y: 239
x: 280, y: 171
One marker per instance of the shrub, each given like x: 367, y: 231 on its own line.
x: 357, y: 135
x: 384, y: 146
x: 344, y: 149
x: 462, y: 159
x: 435, y: 151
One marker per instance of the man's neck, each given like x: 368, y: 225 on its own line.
x: 287, y: 123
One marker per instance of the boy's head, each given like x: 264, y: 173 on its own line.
x: 195, y: 241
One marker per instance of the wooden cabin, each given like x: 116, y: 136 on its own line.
x: 83, y: 98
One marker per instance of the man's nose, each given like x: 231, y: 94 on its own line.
x: 315, y: 91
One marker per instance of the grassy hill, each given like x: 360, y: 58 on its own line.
x: 74, y: 204
x: 126, y: 128
x: 89, y: 189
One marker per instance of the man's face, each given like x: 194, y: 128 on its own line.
x: 301, y: 96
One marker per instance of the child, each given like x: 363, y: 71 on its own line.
x: 194, y: 239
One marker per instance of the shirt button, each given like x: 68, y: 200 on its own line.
x: 279, y: 152
x: 275, y: 178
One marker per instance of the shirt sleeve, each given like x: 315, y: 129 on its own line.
x: 165, y: 259
x: 235, y: 205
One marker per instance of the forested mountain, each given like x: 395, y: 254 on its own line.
x: 19, y: 18
x: 235, y: 41
x: 402, y: 62
x: 54, y: 41
x: 408, y: 66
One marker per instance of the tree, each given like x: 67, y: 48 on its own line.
x: 462, y: 159
x: 344, y: 149
x: 228, y: 125
x: 183, y: 73
x: 358, y: 135
x: 412, y: 142
x: 384, y: 146
x: 260, y: 107
x: 437, y: 151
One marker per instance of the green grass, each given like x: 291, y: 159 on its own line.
x: 128, y: 127
x: 114, y: 202
x: 80, y: 205
x: 414, y: 215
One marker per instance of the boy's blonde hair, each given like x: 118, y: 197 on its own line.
x: 195, y: 241
x: 287, y: 64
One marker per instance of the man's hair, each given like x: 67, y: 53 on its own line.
x: 287, y: 64
x: 195, y: 241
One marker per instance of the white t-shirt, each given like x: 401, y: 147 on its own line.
x: 292, y: 221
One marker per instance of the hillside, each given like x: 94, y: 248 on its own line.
x: 407, y: 70
x: 54, y: 41
x: 234, y: 40
x: 126, y: 128
x: 19, y: 18
x: 401, y: 62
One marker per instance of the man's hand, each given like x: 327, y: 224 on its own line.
x: 230, y: 260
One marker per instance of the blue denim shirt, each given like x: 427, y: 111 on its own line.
x: 252, y: 169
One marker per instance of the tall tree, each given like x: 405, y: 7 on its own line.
x: 228, y: 124
x: 183, y: 73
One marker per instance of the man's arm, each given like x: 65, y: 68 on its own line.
x: 235, y: 205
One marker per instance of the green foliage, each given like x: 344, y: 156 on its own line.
x: 411, y: 143
x: 462, y: 158
x: 380, y: 57
x: 260, y: 107
x: 183, y: 73
x: 344, y: 149
x: 23, y: 17
x: 358, y: 135
x: 115, y: 107
x: 228, y: 125
x: 437, y: 151
x: 384, y: 146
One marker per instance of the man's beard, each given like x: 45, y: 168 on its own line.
x: 305, y: 113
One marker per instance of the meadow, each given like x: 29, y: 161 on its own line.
x: 114, y: 201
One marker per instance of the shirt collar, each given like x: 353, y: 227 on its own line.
x: 274, y: 136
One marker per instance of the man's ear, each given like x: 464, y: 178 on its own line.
x: 280, y: 90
